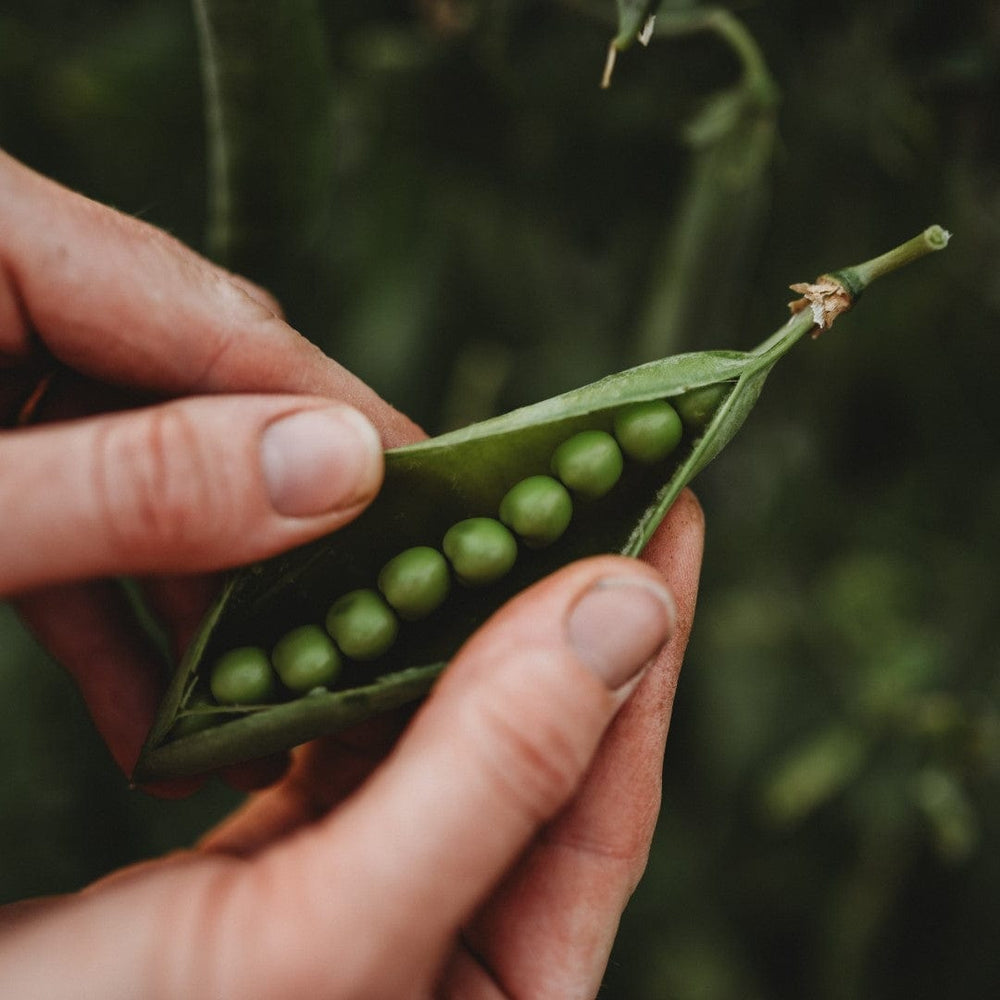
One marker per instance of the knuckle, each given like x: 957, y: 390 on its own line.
x: 153, y: 485
x: 625, y: 849
x: 535, y: 756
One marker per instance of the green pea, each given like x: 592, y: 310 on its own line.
x: 363, y: 625
x: 481, y: 550
x: 415, y: 582
x: 589, y: 463
x: 697, y: 406
x: 306, y: 658
x: 243, y: 676
x: 538, y: 509
x: 649, y: 431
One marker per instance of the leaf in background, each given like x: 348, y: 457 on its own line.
x: 813, y: 774
x: 949, y: 812
x: 695, y: 279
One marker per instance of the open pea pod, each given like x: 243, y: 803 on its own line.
x: 434, y: 484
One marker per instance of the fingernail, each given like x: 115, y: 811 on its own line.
x: 619, y: 624
x: 320, y: 461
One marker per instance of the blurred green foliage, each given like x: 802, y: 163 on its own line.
x: 494, y: 228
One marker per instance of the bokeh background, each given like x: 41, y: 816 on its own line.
x: 445, y: 200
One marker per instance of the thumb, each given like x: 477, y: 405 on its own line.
x: 501, y: 745
x: 191, y: 485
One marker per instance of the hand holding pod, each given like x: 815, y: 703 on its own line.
x: 465, y: 480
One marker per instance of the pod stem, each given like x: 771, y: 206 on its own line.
x: 833, y: 294
x: 856, y: 279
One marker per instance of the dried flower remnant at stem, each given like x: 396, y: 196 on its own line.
x: 826, y: 297
x: 831, y: 295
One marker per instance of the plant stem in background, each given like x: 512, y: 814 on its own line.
x: 856, y: 279
x: 694, y: 280
x: 268, y: 97
x: 698, y: 271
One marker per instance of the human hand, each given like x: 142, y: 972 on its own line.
x: 490, y: 854
x: 192, y: 474
x: 447, y: 870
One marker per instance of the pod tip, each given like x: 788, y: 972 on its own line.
x: 937, y: 237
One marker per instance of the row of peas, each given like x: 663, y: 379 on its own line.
x: 363, y: 624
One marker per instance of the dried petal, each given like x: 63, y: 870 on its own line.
x: 827, y: 299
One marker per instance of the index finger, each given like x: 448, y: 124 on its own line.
x: 123, y: 302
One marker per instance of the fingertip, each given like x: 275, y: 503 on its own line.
x: 619, y: 623
x: 677, y: 545
x: 320, y: 460
x: 690, y: 510
x: 257, y: 294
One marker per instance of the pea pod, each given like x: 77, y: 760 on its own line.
x: 436, y: 484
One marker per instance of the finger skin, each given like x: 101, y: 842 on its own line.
x: 322, y: 775
x: 124, y: 303
x: 168, y: 489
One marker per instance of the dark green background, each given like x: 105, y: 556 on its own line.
x: 496, y: 233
